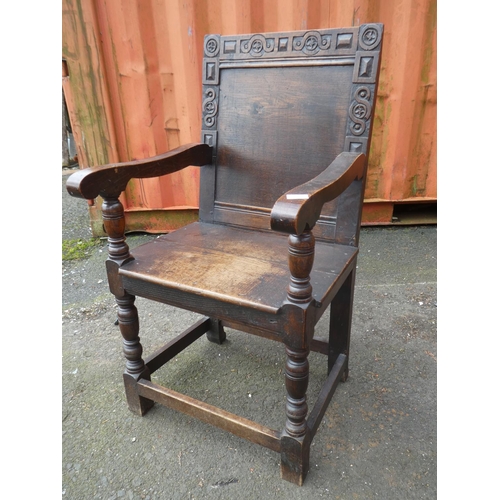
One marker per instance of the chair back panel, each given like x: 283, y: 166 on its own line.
x: 278, y: 108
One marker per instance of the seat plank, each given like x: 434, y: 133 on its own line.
x: 233, y: 265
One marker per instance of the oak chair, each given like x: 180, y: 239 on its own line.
x: 286, y: 126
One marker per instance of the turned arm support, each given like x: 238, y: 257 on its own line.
x: 299, y: 209
x: 112, y: 179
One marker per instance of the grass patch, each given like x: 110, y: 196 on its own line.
x: 78, y: 249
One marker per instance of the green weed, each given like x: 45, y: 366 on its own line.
x: 78, y: 249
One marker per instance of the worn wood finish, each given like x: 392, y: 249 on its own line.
x: 286, y: 130
x: 300, y: 208
x: 210, y: 414
x: 317, y: 344
x: 91, y: 182
x: 237, y: 267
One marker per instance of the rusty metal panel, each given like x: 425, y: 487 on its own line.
x: 86, y: 90
x: 403, y: 153
x: 134, y: 89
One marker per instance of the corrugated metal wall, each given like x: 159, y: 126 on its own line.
x: 132, y: 80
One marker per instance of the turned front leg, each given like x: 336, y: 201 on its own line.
x: 301, y: 259
x: 295, y: 440
x: 296, y: 382
x: 300, y: 262
x: 135, y: 368
x: 128, y: 319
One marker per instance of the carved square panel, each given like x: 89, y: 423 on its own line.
x: 229, y: 46
x: 365, y: 67
x: 355, y: 144
x: 344, y: 41
x: 283, y: 44
x: 210, y: 71
x: 209, y: 137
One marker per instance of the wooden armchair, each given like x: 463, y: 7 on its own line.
x: 286, y: 128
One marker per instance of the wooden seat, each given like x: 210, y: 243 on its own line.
x: 286, y: 127
x: 234, y: 266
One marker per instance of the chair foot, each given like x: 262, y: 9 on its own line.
x: 295, y: 458
x: 345, y: 375
x: 137, y: 404
x: 216, y: 333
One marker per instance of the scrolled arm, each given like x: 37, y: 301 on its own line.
x: 300, y: 208
x: 112, y: 179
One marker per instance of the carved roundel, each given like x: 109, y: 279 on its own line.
x: 370, y: 36
x: 359, y: 110
x: 211, y: 46
x: 311, y: 43
x: 257, y: 45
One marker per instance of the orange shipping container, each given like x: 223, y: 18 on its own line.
x: 132, y: 81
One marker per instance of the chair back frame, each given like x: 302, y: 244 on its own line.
x: 277, y: 108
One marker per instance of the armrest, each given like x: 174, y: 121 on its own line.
x: 300, y: 208
x: 112, y: 179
